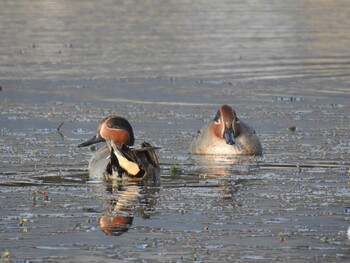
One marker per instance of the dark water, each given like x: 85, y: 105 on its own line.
x: 167, y: 67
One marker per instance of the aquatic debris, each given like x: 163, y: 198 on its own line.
x: 77, y: 225
x: 282, y: 237
x: 284, y: 98
x: 299, y: 168
x: 300, y: 165
x: 324, y: 239
x: 174, y: 170
x: 349, y: 232
x: 292, y: 127
x: 142, y: 246
x: 44, y: 195
x: 60, y: 126
x: 203, y: 176
x: 194, y: 253
x: 5, y: 255
x: 93, y: 148
x: 22, y: 221
x: 59, y: 129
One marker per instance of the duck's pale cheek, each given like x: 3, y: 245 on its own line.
x: 216, y: 130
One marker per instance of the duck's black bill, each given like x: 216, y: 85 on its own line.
x: 229, y: 135
x: 96, y: 139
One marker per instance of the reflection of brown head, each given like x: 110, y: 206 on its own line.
x: 115, y: 225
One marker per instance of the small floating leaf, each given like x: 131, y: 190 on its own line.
x: 174, y: 170
x: 5, y: 255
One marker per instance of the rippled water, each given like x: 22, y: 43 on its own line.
x: 167, y: 67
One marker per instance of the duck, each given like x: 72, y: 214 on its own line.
x: 118, y: 158
x: 226, y: 134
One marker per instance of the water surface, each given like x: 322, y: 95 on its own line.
x: 167, y: 67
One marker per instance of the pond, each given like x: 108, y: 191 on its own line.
x: 167, y: 67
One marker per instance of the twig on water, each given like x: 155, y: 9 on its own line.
x: 59, y: 129
x: 60, y: 126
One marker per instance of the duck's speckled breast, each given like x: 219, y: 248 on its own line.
x: 98, y: 163
x: 246, y: 144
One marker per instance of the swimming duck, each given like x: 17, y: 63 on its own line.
x: 118, y: 134
x: 226, y: 135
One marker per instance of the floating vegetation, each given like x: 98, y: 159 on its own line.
x: 77, y: 225
x: 174, y: 170
x: 93, y: 148
x: 5, y: 255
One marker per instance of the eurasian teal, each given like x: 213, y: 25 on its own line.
x: 226, y: 134
x: 117, y: 159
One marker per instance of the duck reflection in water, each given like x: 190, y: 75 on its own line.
x: 133, y: 181
x: 127, y: 201
x: 224, y: 166
x: 227, y: 172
